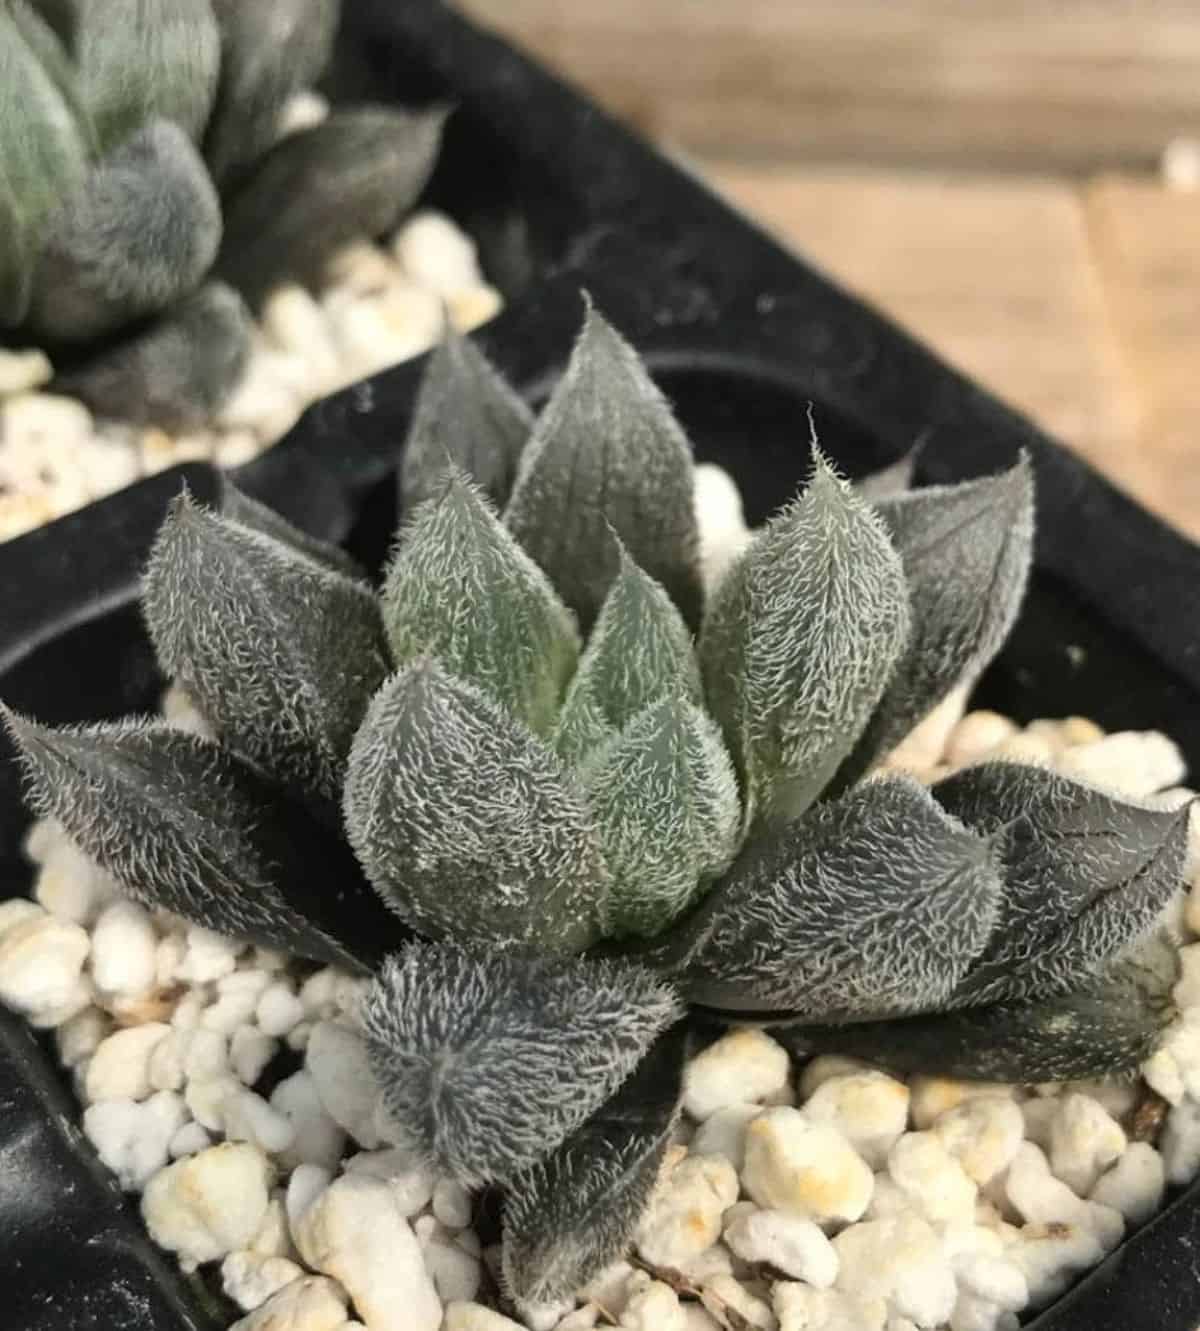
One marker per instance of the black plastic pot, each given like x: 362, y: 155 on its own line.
x: 742, y: 336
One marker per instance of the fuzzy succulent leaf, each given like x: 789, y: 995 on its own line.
x: 465, y: 414
x: 893, y: 480
x: 465, y: 822
x: 488, y: 1060
x: 316, y: 190
x: 140, y: 60
x: 44, y: 40
x: 176, y: 373
x: 185, y: 826
x: 608, y: 455
x: 280, y: 654
x: 966, y: 551
x: 136, y: 235
x: 872, y: 905
x: 664, y: 801
x: 268, y: 52
x: 241, y: 508
x: 800, y: 640
x: 1107, y: 1029
x: 638, y: 650
x: 16, y: 267
x: 569, y: 1216
x: 460, y: 589
x: 1086, y: 877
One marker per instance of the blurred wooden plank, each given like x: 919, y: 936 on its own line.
x: 1010, y: 83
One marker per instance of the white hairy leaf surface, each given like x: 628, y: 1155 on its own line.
x: 355, y: 174
x: 1107, y: 1029
x: 250, y: 512
x: 465, y: 414
x: 966, y: 551
x: 488, y: 1059
x: 799, y: 641
x: 575, y: 1212
x: 1087, y: 876
x: 872, y: 905
x: 664, y: 802
x: 139, y: 232
x: 175, y: 373
x: 460, y: 589
x: 465, y: 822
x: 281, y: 654
x: 638, y: 650
x: 268, y: 52
x: 184, y: 826
x: 608, y: 455
x: 140, y: 60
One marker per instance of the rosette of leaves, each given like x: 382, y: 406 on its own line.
x: 147, y: 197
x: 554, y: 794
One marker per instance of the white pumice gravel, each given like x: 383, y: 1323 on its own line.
x: 382, y: 303
x: 823, y: 1197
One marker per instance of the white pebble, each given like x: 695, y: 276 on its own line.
x: 80, y: 1037
x: 452, y: 1204
x: 337, y: 1061
x: 70, y: 885
x: 930, y: 1097
x: 793, y: 1245
x: 272, y: 1238
x: 41, y: 960
x: 653, y: 1307
x: 899, y: 1260
x: 294, y: 321
x: 724, y: 1133
x: 1180, y: 1142
x: 1134, y: 1185
x: 208, y: 957
x: 802, y: 1308
x: 248, y: 1117
x: 977, y: 735
x: 18, y: 910
x: 316, y: 1138
x: 437, y: 254
x: 205, y: 1054
x: 206, y: 1099
x: 131, y: 1138
x: 935, y: 1183
x: 191, y: 1138
x: 168, y: 956
x: 249, y: 1278
x: 124, y: 947
x: 306, y: 1184
x: 475, y: 1317
x: 1130, y: 763
x: 456, y: 1273
x: 317, y: 994
x: 207, y: 1205
x: 1051, y: 1255
x: 684, y: 1215
x: 303, y: 110
x: 250, y: 1051
x: 1084, y: 1141
x: 190, y: 1009
x: 824, y: 1068
x: 869, y: 1109
x: 971, y: 1313
x: 279, y: 1009
x: 982, y: 1134
x: 232, y: 1009
x: 120, y: 1067
x: 794, y: 1165
x: 735, y: 1297
x: 411, y: 1182
x: 23, y: 370
x: 743, y: 1066
x: 354, y: 1233
x: 308, y: 1304
x: 1042, y: 1200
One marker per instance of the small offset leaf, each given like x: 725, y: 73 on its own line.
x: 459, y: 588
x: 184, y: 826
x: 966, y: 551
x: 872, y: 905
x: 249, y: 512
x: 280, y: 654
x: 268, y: 52
x: 488, y: 1060
x: 138, y: 233
x: 664, y: 801
x: 141, y: 60
x: 178, y: 372
x: 354, y: 175
x: 799, y: 642
x: 465, y: 414
x: 1106, y: 1030
x: 465, y: 823
x: 608, y: 455
x: 576, y: 1211
x: 891, y: 481
x: 1086, y: 876
x: 639, y: 649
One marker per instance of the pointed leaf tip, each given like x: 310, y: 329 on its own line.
x: 487, y: 1060
x: 605, y: 453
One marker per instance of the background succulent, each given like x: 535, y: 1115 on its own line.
x: 147, y: 196
x: 582, y: 792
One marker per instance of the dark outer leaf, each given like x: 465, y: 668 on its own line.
x: 892, y: 480
x: 465, y: 823
x: 183, y: 825
x: 16, y: 268
x: 465, y: 414
x: 608, y: 455
x: 1108, y: 1030
x: 576, y: 1211
x: 43, y: 39
x: 280, y: 654
x: 966, y: 551
x: 250, y: 513
x: 871, y: 905
x: 1086, y: 875
x: 268, y: 52
x: 144, y: 59
x: 178, y: 372
x: 139, y: 233
x: 488, y: 1060
x: 355, y: 174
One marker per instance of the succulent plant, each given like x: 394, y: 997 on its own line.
x: 147, y: 196
x: 552, y: 794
